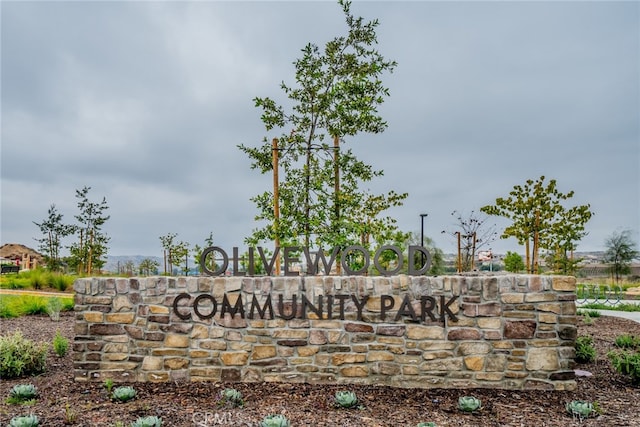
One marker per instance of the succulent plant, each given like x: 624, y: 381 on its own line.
x: 275, y: 421
x: 151, y: 421
x: 25, y: 421
x: 21, y: 392
x: 469, y: 403
x: 346, y: 399
x: 580, y: 408
x: 427, y: 424
x: 124, y: 394
x: 233, y: 396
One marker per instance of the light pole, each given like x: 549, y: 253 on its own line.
x: 422, y: 216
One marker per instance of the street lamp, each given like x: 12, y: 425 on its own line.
x: 422, y: 216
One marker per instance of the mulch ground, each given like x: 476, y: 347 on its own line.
x: 63, y: 402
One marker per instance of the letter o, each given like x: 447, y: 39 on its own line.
x: 355, y: 248
x: 196, y: 303
x: 376, y: 260
x: 175, y: 306
x: 203, y: 261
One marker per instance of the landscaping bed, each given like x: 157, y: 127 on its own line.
x: 63, y: 402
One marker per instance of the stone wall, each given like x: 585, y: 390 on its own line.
x: 498, y: 331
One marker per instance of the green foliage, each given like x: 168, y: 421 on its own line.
x: 580, y: 409
x: 151, y: 421
x: 148, y: 266
x: 24, y: 421
x: 232, y: 397
x: 346, y: 399
x: 22, y: 393
x: 61, y: 282
x: 124, y: 393
x: 53, y: 231
x: 626, y: 363
x: 427, y: 424
x: 20, y: 305
x: 108, y: 384
x: 585, y: 352
x: 627, y: 341
x: 589, y: 313
x: 275, y: 421
x: 469, y: 403
x: 20, y: 356
x: 621, y: 250
x: 618, y: 307
x: 540, y: 221
x: 60, y: 344
x: 513, y: 262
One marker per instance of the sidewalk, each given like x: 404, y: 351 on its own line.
x: 632, y: 315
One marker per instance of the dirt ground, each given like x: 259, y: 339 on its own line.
x: 63, y: 402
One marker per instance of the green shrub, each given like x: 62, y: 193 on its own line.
x: 275, y: 421
x: 580, y: 409
x: 469, y: 403
x: 32, y: 304
x: 37, y: 280
x: 61, y: 282
x: 585, y: 352
x: 54, y: 307
x: 346, y: 399
x: 427, y: 424
x: 124, y: 394
x: 627, y: 341
x: 20, y: 356
x: 626, y: 363
x: 22, y: 393
x: 24, y: 421
x: 231, y: 396
x: 151, y: 421
x: 60, y: 344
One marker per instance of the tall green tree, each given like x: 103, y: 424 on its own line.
x: 53, y: 231
x: 87, y: 254
x: 336, y: 95
x: 539, y: 219
x: 621, y: 250
x: 513, y: 262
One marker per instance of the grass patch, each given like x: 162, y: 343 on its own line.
x: 37, y: 279
x: 616, y: 307
x: 21, y: 305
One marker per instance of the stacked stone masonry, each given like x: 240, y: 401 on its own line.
x: 498, y: 331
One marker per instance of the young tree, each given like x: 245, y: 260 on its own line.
x: 197, y: 251
x: 148, y: 266
x: 539, y: 220
x: 179, y: 255
x: 337, y: 94
x: 53, y: 231
x: 472, y: 234
x: 621, y: 250
x: 167, y: 244
x: 87, y: 254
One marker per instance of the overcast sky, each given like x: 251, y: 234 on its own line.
x: 146, y: 102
